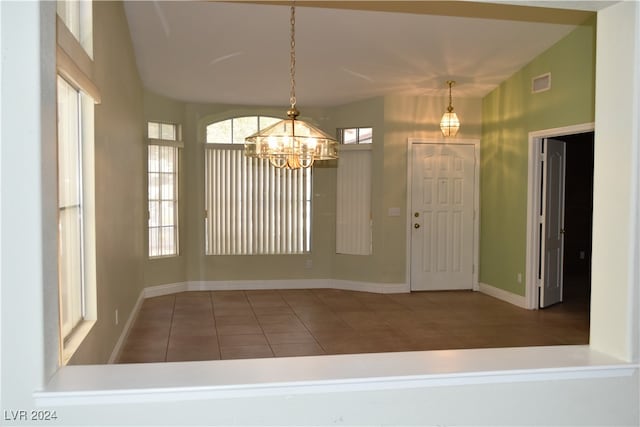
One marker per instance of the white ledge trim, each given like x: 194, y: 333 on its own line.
x: 159, y: 382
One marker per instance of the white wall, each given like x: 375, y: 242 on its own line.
x: 27, y: 107
x: 615, y: 190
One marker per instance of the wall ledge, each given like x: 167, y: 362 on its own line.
x: 160, y: 382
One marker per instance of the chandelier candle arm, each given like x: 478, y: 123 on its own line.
x: 291, y: 143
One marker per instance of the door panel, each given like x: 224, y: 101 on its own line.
x: 442, y: 203
x: 553, y: 242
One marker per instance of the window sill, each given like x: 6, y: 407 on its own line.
x: 75, y: 339
x: 157, y: 382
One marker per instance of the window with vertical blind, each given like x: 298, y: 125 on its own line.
x: 251, y: 207
x: 353, y: 203
x: 162, y: 178
x: 353, y: 192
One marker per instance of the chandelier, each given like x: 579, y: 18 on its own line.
x: 449, y: 124
x: 291, y: 143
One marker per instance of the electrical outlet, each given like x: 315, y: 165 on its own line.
x: 519, y: 277
x: 581, y: 254
x: 116, y: 316
x: 308, y: 263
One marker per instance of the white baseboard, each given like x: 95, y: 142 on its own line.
x: 127, y: 327
x: 382, y: 288
x: 503, y: 295
x: 249, y: 285
x: 168, y: 289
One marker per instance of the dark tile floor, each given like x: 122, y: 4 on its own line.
x: 273, y: 323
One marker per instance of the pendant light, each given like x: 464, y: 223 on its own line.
x: 450, y: 124
x: 291, y: 143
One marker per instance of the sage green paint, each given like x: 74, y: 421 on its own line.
x: 367, y: 113
x: 239, y: 267
x: 509, y: 113
x: 394, y: 119
x: 158, y: 271
x: 119, y: 184
x: 412, y: 117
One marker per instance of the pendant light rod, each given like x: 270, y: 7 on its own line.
x: 293, y: 112
x: 450, y: 83
x: 450, y: 124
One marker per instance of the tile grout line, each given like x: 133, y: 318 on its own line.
x: 215, y: 323
x: 273, y: 353
x: 305, y: 326
x: 166, y: 351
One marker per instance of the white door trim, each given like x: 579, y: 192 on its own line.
x: 476, y: 202
x: 533, y: 205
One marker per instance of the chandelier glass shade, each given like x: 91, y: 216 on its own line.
x: 291, y: 143
x: 450, y: 124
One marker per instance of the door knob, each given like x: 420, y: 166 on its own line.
x: 416, y: 225
x: 562, y: 231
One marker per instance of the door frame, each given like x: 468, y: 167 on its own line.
x: 476, y: 201
x: 534, y: 194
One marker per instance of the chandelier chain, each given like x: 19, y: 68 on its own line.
x: 450, y: 107
x: 292, y: 70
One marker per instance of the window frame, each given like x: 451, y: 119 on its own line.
x: 177, y: 144
x: 306, y: 218
x: 340, y: 133
x: 71, y: 339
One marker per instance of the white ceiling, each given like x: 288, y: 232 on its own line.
x: 238, y: 53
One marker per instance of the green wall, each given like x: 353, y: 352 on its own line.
x: 509, y: 113
x: 236, y: 267
x: 119, y: 184
x: 503, y: 119
x: 394, y: 119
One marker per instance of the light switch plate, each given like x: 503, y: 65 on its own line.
x: 394, y: 212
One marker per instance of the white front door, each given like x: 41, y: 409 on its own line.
x: 442, y: 201
x: 553, y: 220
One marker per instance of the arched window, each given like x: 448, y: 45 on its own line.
x: 252, y: 207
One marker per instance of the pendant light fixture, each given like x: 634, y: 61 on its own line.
x: 450, y: 124
x: 291, y: 143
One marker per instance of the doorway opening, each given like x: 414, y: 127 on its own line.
x: 559, y: 220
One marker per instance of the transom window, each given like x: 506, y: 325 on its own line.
x: 77, y: 16
x: 251, y: 207
x: 355, y: 135
x: 234, y: 131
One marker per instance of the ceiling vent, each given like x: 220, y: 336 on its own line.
x: 541, y: 83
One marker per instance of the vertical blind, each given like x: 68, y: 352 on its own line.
x: 253, y: 207
x: 353, y: 210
